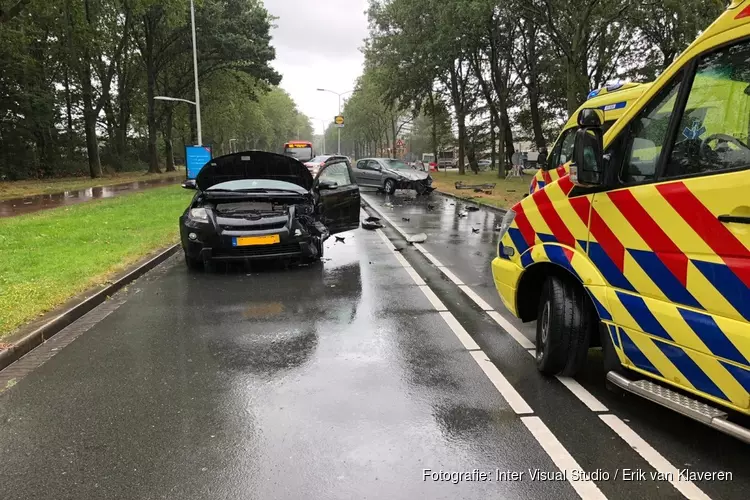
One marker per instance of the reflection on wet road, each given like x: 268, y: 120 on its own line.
x: 337, y: 380
x: 31, y: 204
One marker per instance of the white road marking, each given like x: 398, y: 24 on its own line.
x: 545, y: 437
x: 460, y: 332
x: 434, y: 300
x: 512, y: 330
x: 588, y: 490
x: 507, y: 391
x: 416, y: 277
x: 383, y: 237
x: 582, y: 394
x: 455, y: 279
x: 476, y: 298
x: 432, y: 259
x: 653, y: 457
x: 402, y: 260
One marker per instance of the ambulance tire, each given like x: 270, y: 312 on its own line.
x: 563, y: 330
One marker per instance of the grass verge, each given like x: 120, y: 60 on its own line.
x: 506, y: 193
x: 22, y: 189
x: 50, y: 256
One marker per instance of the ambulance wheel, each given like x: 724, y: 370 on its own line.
x: 563, y: 329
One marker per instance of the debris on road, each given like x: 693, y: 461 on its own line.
x: 373, y: 219
x: 397, y: 249
x: 371, y: 225
x: 417, y: 238
x: 472, y: 209
x: 340, y: 238
x: 461, y: 215
x: 405, y: 219
x: 430, y: 207
x: 498, y: 228
x: 474, y: 230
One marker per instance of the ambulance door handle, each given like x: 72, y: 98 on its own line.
x: 734, y: 218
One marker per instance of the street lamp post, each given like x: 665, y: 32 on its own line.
x: 195, y: 73
x: 339, y: 95
x: 324, y: 133
x: 197, y: 102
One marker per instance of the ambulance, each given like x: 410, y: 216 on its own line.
x: 613, y: 100
x: 644, y: 249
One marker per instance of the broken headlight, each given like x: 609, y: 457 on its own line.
x: 199, y: 214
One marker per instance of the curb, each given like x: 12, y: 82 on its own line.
x: 466, y: 200
x: 46, y: 331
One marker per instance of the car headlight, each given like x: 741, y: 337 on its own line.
x: 508, y: 219
x: 199, y: 214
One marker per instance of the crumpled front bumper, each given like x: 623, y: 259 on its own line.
x: 212, y: 244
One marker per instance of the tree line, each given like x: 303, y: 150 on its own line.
x: 497, y: 72
x: 80, y: 77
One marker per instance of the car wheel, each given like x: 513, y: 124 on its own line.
x: 193, y: 264
x: 563, y: 329
x: 390, y: 186
x: 420, y: 189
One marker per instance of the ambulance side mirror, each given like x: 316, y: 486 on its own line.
x: 588, y: 169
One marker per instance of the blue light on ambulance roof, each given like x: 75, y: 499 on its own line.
x: 593, y: 93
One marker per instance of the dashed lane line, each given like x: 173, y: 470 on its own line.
x: 545, y: 437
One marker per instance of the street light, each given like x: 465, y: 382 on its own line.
x: 336, y: 93
x: 324, y: 133
x: 197, y: 102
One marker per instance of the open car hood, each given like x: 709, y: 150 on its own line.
x: 253, y: 165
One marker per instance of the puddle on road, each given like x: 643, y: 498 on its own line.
x: 31, y: 204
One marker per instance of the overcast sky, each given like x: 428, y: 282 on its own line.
x: 317, y: 46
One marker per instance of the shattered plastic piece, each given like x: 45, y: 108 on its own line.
x: 417, y: 238
x: 371, y: 226
x: 398, y: 249
x: 373, y: 219
x: 472, y: 209
x: 340, y: 238
x: 430, y: 207
x: 474, y: 230
x: 498, y: 228
x: 405, y: 219
x: 461, y: 215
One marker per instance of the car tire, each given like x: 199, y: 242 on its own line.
x: 563, y: 330
x: 193, y: 264
x: 420, y: 189
x: 389, y: 186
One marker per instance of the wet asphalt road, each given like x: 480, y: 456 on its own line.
x: 339, y: 380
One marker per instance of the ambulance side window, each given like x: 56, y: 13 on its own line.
x: 647, y: 134
x: 563, y: 150
x: 713, y: 133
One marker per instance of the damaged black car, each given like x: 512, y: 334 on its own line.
x: 261, y: 205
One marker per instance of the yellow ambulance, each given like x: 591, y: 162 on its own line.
x: 644, y: 249
x: 613, y: 100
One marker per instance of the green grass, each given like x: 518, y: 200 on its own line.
x: 48, y: 257
x: 506, y: 193
x: 21, y: 189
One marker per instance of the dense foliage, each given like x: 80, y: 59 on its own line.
x: 79, y: 78
x: 513, y: 69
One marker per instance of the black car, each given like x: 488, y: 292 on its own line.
x: 259, y: 205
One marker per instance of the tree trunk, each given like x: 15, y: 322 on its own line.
x: 493, y: 139
x: 571, y: 81
x: 168, y: 145
x: 433, y: 116
x: 501, y: 152
x: 153, y: 153
x: 69, y: 115
x: 533, y: 87
x: 89, y: 121
x: 461, y: 119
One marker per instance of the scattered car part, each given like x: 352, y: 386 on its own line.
x: 417, y: 238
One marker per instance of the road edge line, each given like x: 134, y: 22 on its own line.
x: 46, y: 331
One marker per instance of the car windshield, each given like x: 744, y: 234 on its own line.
x: 396, y: 165
x: 256, y: 185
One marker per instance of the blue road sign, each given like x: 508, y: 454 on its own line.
x: 195, y: 158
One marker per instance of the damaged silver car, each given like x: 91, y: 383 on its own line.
x: 389, y: 175
x: 260, y: 205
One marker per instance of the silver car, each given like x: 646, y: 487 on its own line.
x: 389, y: 175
